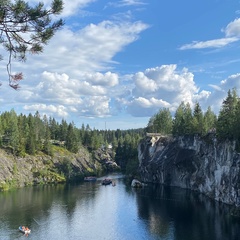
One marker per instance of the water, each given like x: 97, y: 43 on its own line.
x: 95, y: 212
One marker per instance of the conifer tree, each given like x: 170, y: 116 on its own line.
x: 227, y: 115
x: 71, y: 139
x: 13, y: 132
x: 197, y: 121
x: 24, y: 28
x: 209, y: 121
x: 178, y: 122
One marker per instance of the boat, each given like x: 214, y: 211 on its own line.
x: 106, y: 181
x: 90, y: 179
x: 24, y: 230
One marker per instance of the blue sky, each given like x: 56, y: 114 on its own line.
x: 116, y: 63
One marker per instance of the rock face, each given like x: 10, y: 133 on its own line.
x: 191, y: 162
x: 43, y: 169
x: 105, y: 157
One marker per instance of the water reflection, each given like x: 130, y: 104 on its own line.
x: 185, y: 215
x: 92, y: 211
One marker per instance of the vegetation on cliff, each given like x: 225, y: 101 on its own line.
x: 188, y: 121
x: 57, y: 152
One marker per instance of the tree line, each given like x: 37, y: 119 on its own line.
x: 31, y: 134
x: 194, y: 121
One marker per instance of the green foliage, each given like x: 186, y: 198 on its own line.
x: 26, y: 29
x: 197, y: 120
x: 8, y: 184
x: 71, y: 139
x: 126, y: 152
x: 182, y: 123
x: 228, y: 119
x: 161, y: 122
x: 186, y: 121
x: 66, y: 167
x: 48, y: 176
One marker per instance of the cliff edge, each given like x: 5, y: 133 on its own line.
x: 201, y: 164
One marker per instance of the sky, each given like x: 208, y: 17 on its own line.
x: 115, y: 64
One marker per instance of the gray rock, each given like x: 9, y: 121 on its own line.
x: 136, y: 184
x: 204, y: 165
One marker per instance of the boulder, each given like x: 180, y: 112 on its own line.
x: 136, y: 184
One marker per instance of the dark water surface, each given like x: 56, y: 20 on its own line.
x: 90, y: 211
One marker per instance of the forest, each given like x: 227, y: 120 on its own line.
x: 22, y: 135
x: 188, y: 121
x: 31, y: 134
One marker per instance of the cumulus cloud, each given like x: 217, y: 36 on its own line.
x: 233, y: 28
x: 232, y: 34
x: 107, y: 79
x: 140, y: 106
x: 95, y: 106
x: 60, y: 95
x: 167, y: 87
x: 59, y: 110
x: 162, y: 87
x: 220, y: 91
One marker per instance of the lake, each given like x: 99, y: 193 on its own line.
x: 92, y: 211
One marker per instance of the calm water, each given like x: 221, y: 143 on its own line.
x: 91, y: 211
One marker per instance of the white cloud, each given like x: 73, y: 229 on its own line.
x: 95, y: 106
x: 72, y: 75
x: 233, y: 28
x: 123, y: 3
x: 215, y: 87
x: 143, y: 83
x: 231, y: 82
x: 163, y: 86
x: 166, y: 87
x: 164, y: 80
x: 90, y: 90
x: 107, y: 79
x: 232, y: 34
x: 89, y: 49
x: 216, y: 43
x: 217, y: 96
x: 59, y: 110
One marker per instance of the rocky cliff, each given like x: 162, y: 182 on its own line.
x: 201, y: 164
x: 41, y: 168
x: 60, y: 167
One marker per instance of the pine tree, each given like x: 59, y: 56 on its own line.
x: 31, y: 137
x: 197, y: 120
x: 209, y: 121
x: 47, y: 146
x: 178, y: 121
x: 25, y: 29
x: 13, y: 132
x: 227, y: 115
x: 71, y: 140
